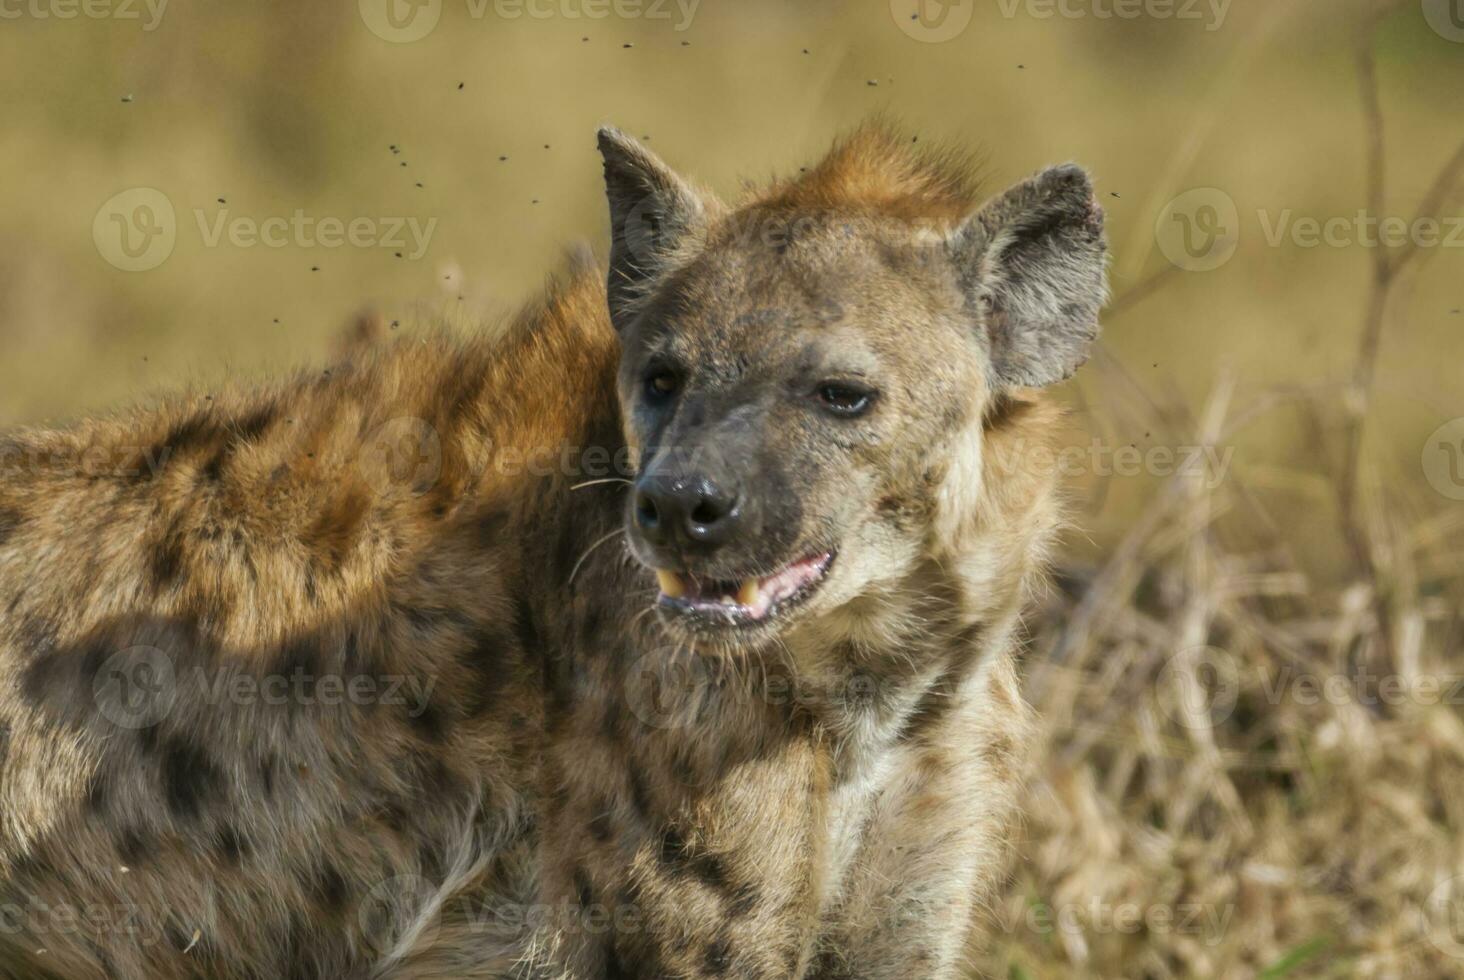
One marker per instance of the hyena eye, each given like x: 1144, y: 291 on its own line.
x: 845, y: 398
x: 661, y: 384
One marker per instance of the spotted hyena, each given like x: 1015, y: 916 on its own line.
x: 664, y: 638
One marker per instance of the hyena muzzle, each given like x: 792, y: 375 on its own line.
x: 668, y: 637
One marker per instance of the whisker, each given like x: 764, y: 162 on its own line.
x: 575, y: 571
x: 595, y: 483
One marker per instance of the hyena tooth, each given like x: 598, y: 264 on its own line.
x: 671, y: 585
x: 749, y: 593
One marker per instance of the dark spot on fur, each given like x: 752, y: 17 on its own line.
x: 147, y: 740
x: 42, y: 676
x: 525, y: 627
x: 190, y: 779
x: 338, y: 527
x: 233, y: 848
x: 673, y: 847
x: 213, y: 470
x: 250, y: 427
x: 743, y: 900
x: 935, y: 704
x: 567, y: 551
x: 98, y: 793
x: 439, y: 781
x: 611, y: 720
x: 329, y: 888
x: 624, y: 961
x: 132, y: 847
x: 429, y: 721
x: 267, y: 775
x: 591, y: 628
x: 187, y: 434
x: 490, y: 529
x: 484, y: 661
x: 10, y: 519
x: 584, y: 892
x: 600, y: 825
x: 640, y: 797
x: 165, y: 560
x: 297, y: 662
x: 718, y: 957
x: 679, y: 858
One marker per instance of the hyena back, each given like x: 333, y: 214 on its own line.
x: 668, y: 639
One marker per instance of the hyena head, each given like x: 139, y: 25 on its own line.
x: 804, y: 377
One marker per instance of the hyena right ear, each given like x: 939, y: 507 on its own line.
x: 1032, y: 263
x: 653, y: 215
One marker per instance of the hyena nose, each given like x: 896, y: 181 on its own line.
x: 690, y: 511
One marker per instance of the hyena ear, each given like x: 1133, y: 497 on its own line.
x: 1032, y: 263
x: 653, y: 213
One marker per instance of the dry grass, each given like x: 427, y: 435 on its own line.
x: 1244, y: 771
x: 1238, y: 775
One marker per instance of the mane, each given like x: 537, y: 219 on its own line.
x: 880, y: 167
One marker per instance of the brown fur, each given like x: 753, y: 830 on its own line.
x: 562, y: 786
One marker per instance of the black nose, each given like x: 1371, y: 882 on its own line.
x: 692, y: 511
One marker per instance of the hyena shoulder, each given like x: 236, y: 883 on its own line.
x: 261, y: 657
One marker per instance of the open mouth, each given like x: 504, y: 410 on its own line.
x: 744, y: 602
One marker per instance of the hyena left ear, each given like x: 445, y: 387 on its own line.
x: 1032, y: 265
x: 653, y: 214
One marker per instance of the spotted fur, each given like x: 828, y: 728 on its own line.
x: 353, y: 675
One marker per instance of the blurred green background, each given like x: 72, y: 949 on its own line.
x: 481, y: 130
